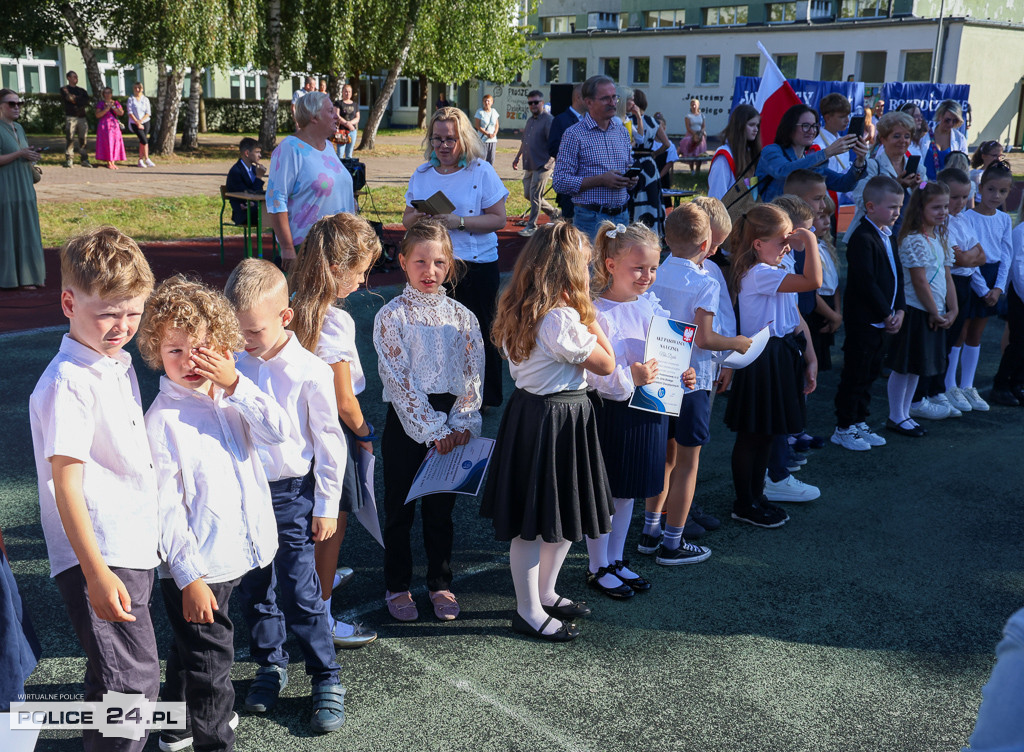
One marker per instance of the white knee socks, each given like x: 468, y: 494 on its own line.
x: 954, y: 361
x: 968, y: 365
x: 524, y: 562
x: 901, y: 388
x: 551, y: 557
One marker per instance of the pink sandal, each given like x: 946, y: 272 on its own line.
x: 401, y: 606
x: 446, y: 607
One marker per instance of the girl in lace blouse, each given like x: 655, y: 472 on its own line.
x: 918, y: 349
x: 338, y: 252
x: 547, y: 486
x: 431, y: 364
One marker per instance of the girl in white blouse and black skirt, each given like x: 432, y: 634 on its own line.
x: 431, y: 364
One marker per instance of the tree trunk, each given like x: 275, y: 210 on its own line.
x: 80, y: 28
x: 271, y: 97
x: 381, y: 102
x: 161, y: 96
x: 190, y: 134
x: 172, y: 103
x: 335, y: 80
x: 421, y: 115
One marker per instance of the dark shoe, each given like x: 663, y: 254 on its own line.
x: 567, y: 610
x: 760, y: 516
x: 638, y: 584
x: 648, y: 543
x: 905, y: 427
x: 265, y: 689
x: 86, y: 163
x: 565, y: 633
x: 805, y: 441
x: 702, y: 518
x: 328, y: 709
x: 620, y: 592
x: 1018, y: 392
x: 692, y: 528
x: 687, y: 553
x: 174, y: 740
x: 1004, y: 397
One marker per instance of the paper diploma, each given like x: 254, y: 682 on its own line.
x: 669, y: 342
x: 732, y: 359
x: 460, y: 471
x: 367, y: 513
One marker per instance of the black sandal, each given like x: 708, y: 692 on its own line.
x: 619, y: 592
x: 639, y: 584
x: 571, y: 610
x: 565, y: 633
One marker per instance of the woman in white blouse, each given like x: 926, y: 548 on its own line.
x: 139, y: 114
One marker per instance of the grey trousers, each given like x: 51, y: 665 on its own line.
x: 76, y: 133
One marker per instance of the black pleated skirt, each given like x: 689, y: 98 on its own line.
x: 351, y: 488
x: 633, y: 445
x: 976, y: 308
x: 915, y: 348
x: 768, y: 395
x: 547, y: 475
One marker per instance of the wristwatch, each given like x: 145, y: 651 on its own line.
x: 462, y: 223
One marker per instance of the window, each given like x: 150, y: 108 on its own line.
x: 727, y: 15
x: 30, y: 70
x: 603, y: 21
x: 749, y: 65
x: 831, y: 66
x: 787, y: 64
x: 558, y: 24
x: 409, y: 92
x: 872, y: 67
x: 675, y: 70
x: 710, y: 69
x: 610, y: 67
x: 640, y: 70
x: 862, y: 8
x: 781, y: 12
x: 578, y: 68
x: 549, y: 66
x: 917, y: 66
x: 247, y: 83
x: 664, y: 19
x: 114, y: 71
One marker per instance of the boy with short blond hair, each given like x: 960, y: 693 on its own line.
x: 97, y: 487
x: 305, y: 474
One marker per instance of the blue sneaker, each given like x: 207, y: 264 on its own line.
x: 328, y: 708
x: 265, y: 689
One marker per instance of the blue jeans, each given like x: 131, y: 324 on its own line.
x: 301, y: 607
x: 587, y: 221
x: 1000, y: 726
x: 345, y: 150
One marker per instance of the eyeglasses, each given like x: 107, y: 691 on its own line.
x: 449, y: 142
x: 536, y: 101
x: 610, y: 100
x: 14, y: 104
x: 808, y: 127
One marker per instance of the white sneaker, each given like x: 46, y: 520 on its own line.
x: 866, y: 434
x: 527, y: 231
x: 142, y: 164
x: 150, y: 162
x: 928, y: 410
x: 790, y: 489
x: 848, y: 438
x: 972, y: 396
x: 957, y: 399
x: 940, y: 399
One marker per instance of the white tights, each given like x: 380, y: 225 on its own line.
x: 535, y: 566
x: 610, y: 547
x: 901, y: 389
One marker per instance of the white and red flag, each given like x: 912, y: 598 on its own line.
x: 774, y: 97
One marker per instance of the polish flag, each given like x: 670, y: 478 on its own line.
x: 774, y: 97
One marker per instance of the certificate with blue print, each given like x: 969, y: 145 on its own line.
x: 669, y: 342
x: 460, y: 471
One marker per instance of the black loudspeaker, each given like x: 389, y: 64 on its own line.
x: 358, y: 172
x: 560, y: 98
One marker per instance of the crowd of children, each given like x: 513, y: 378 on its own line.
x: 242, y: 473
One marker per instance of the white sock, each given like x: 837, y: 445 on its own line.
x: 620, y: 528
x: 597, y: 549
x: 524, y: 563
x: 968, y: 365
x: 652, y: 523
x: 897, y: 390
x: 673, y: 535
x: 552, y: 555
x: 912, y: 379
x: 954, y: 361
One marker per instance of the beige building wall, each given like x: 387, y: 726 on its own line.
x: 989, y: 59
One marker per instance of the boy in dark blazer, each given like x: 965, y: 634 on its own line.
x: 873, y: 306
x: 246, y: 176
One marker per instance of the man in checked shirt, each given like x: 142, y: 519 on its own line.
x: 593, y: 158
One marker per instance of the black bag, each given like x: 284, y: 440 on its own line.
x: 358, y: 172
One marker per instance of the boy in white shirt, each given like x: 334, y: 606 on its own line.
x: 97, y: 488
x: 305, y: 474
x: 216, y: 519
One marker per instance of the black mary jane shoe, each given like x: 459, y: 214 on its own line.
x: 637, y: 584
x: 566, y: 633
x: 620, y: 592
x: 567, y: 610
x: 904, y: 427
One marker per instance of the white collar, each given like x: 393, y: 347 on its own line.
x: 886, y: 231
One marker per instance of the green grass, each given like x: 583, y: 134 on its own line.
x: 149, y: 219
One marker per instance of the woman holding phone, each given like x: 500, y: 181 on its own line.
x: 895, y: 134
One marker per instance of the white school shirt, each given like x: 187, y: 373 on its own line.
x: 838, y: 163
x: 304, y: 386
x: 829, y: 273
x: 337, y: 343
x: 760, y: 302
x: 626, y: 324
x: 720, y: 174
x: 216, y: 518
x: 683, y: 287
x: 427, y: 344
x: 554, y: 363
x: 994, y: 235
x: 960, y: 232
x: 724, y: 322
x: 930, y: 253
x: 87, y: 406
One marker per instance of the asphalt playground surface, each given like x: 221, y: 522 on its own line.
x: 868, y: 622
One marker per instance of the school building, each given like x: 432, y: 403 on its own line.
x: 676, y: 50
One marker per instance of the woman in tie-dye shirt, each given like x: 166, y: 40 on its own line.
x: 307, y: 180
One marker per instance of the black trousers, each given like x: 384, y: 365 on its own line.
x: 862, y: 364
x: 478, y: 291
x: 402, y: 457
x: 119, y: 656
x: 1011, y: 367
x: 199, y: 667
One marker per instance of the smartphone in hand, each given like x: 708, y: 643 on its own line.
x: 856, y: 126
x: 913, y: 161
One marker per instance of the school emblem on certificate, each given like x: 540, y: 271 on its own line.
x: 669, y: 342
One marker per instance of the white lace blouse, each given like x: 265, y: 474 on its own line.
x: 427, y: 344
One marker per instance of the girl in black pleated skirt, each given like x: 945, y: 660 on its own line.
x: 547, y: 484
